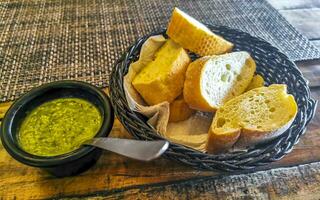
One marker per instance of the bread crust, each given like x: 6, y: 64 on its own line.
x: 168, y: 88
x: 219, y: 143
x: 193, y: 92
x: 225, y: 132
x: 179, y: 110
x: 197, y: 39
x: 240, y: 138
x: 249, y: 137
x: 192, y: 87
x: 257, y: 81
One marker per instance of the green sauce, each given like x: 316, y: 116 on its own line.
x: 59, y: 126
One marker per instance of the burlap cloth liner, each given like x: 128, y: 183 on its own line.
x: 191, y: 132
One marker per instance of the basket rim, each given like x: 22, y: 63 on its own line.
x: 225, y: 158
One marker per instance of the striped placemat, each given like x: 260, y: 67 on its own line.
x: 47, y: 40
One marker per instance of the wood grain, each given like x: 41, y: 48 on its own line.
x: 294, y: 4
x: 116, y: 176
x: 311, y: 71
x: 3, y: 108
x: 111, y: 172
x: 292, y: 183
x: 302, y: 14
x: 316, y: 43
x: 305, y: 20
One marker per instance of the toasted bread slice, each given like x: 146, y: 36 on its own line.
x: 179, y: 110
x: 194, y: 36
x: 213, y: 80
x: 162, y: 79
x: 258, y: 115
x: 257, y: 81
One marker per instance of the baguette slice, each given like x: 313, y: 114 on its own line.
x: 162, y: 79
x: 179, y: 110
x: 258, y: 115
x: 213, y: 80
x: 194, y: 36
x: 257, y: 81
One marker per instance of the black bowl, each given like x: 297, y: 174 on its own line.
x: 68, y: 164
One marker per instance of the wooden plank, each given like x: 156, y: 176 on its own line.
x: 302, y: 182
x: 305, y: 20
x: 316, y: 43
x: 3, y: 108
x: 116, y: 177
x: 311, y: 71
x: 110, y: 173
x: 294, y: 4
x: 114, y: 173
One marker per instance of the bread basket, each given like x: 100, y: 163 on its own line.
x: 273, y: 65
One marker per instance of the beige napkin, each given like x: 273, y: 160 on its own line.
x: 191, y: 132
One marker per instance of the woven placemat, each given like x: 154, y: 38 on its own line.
x: 44, y: 40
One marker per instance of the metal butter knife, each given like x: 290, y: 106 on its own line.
x: 136, y: 149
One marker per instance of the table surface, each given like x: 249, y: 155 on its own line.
x: 115, y: 177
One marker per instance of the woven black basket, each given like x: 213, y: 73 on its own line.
x: 273, y: 65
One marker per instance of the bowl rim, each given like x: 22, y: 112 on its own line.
x: 19, y: 154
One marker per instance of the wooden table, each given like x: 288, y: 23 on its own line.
x: 115, y: 177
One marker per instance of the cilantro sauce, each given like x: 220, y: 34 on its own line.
x: 59, y: 126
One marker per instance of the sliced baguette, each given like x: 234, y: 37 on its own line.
x: 258, y: 115
x: 179, y: 110
x: 257, y: 81
x: 194, y: 36
x: 213, y: 80
x: 162, y: 79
